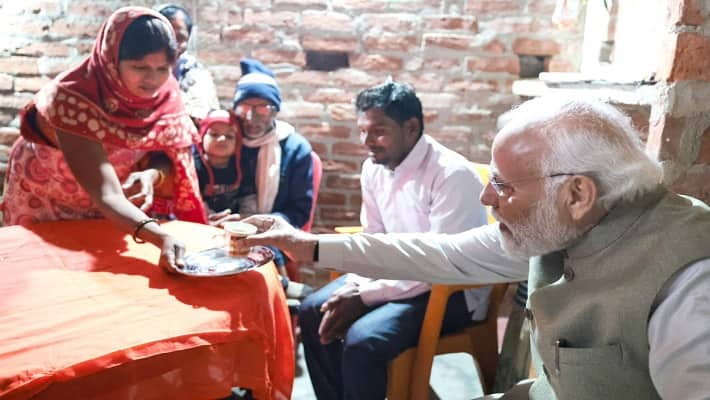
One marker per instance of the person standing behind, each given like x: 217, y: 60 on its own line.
x: 276, y: 162
x: 410, y: 183
x: 86, y: 131
x: 196, y: 84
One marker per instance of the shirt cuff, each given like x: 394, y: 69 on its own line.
x: 331, y: 248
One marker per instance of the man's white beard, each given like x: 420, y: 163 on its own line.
x: 541, y: 233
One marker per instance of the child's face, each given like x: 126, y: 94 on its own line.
x: 220, y: 140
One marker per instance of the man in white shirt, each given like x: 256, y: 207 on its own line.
x: 619, y: 266
x: 355, y: 325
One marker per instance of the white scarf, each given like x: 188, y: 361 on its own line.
x: 268, y: 164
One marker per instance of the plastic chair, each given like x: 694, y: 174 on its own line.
x: 409, y: 373
x: 292, y: 269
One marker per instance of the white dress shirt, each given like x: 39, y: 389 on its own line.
x: 678, y: 331
x: 433, y: 189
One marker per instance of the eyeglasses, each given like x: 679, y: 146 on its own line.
x: 258, y: 110
x: 506, y: 188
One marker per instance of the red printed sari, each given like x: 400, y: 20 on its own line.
x: 91, y: 101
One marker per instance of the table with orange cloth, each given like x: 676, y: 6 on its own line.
x: 86, y: 313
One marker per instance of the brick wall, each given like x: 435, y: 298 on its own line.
x: 461, y: 56
x: 679, y: 133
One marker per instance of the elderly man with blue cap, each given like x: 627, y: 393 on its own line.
x: 275, y: 161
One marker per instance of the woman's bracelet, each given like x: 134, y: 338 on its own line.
x: 140, y: 226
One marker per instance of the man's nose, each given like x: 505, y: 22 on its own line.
x: 488, y: 196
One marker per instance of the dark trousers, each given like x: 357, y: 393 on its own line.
x: 356, y: 368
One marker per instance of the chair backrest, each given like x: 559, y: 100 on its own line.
x: 317, y: 174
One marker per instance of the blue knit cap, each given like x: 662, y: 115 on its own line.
x: 256, y: 81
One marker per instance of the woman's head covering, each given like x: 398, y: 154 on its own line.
x: 225, y: 117
x: 91, y: 101
x: 256, y: 81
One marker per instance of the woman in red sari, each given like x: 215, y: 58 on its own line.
x: 86, y: 131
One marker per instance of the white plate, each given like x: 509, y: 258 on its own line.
x: 217, y: 262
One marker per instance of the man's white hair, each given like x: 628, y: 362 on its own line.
x: 589, y: 137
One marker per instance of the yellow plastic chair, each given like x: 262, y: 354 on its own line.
x: 409, y: 373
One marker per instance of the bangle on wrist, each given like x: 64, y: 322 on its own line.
x: 140, y: 226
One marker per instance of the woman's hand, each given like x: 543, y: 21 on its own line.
x: 220, y: 218
x: 139, y: 187
x: 172, y: 254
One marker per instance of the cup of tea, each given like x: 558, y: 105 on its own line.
x: 234, y: 233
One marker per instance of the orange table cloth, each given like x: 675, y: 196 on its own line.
x: 86, y: 313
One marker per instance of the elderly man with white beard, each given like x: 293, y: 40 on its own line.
x: 618, y: 266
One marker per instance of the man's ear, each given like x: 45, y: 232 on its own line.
x: 412, y: 127
x: 581, y: 196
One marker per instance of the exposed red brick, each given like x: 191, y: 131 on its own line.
x: 664, y: 137
x: 704, y: 153
x: 329, y: 95
x: 14, y: 101
x: 694, y: 182
x: 48, y: 8
x: 451, y: 22
x: 535, y: 47
x: 331, y: 199
x: 484, y: 7
x: 519, y: 25
x: 349, y: 149
x: 8, y: 135
x: 447, y: 41
x: 326, y: 21
x: 48, y: 49
x: 343, y: 182
x: 73, y: 29
x: 36, y: 27
x: 430, y: 116
x: 248, y: 34
x: 685, y: 12
x: 377, y: 62
x: 440, y: 63
x: 211, y: 17
x: 495, y: 46
x: 452, y: 133
x: 439, y: 100
x: 357, y: 5
x: 306, y: 78
x: 389, y: 42
x: 389, y: 22
x: 422, y: 82
x: 688, y: 58
x: 285, y: 19
x: 354, y: 78
x: 543, y: 7
x: 299, y: 4
x: 53, y: 67
x: 29, y: 84
x: 346, y: 44
x: 341, y: 166
x: 342, y: 112
x: 345, y: 217
x: 319, y: 148
x: 557, y: 64
x: 19, y: 65
x: 471, y: 117
x: 466, y: 85
x: 5, y: 82
x: 216, y: 55
x: 294, y: 57
x: 324, y: 130
x: 301, y: 110
x: 89, y: 9
x: 507, y: 64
